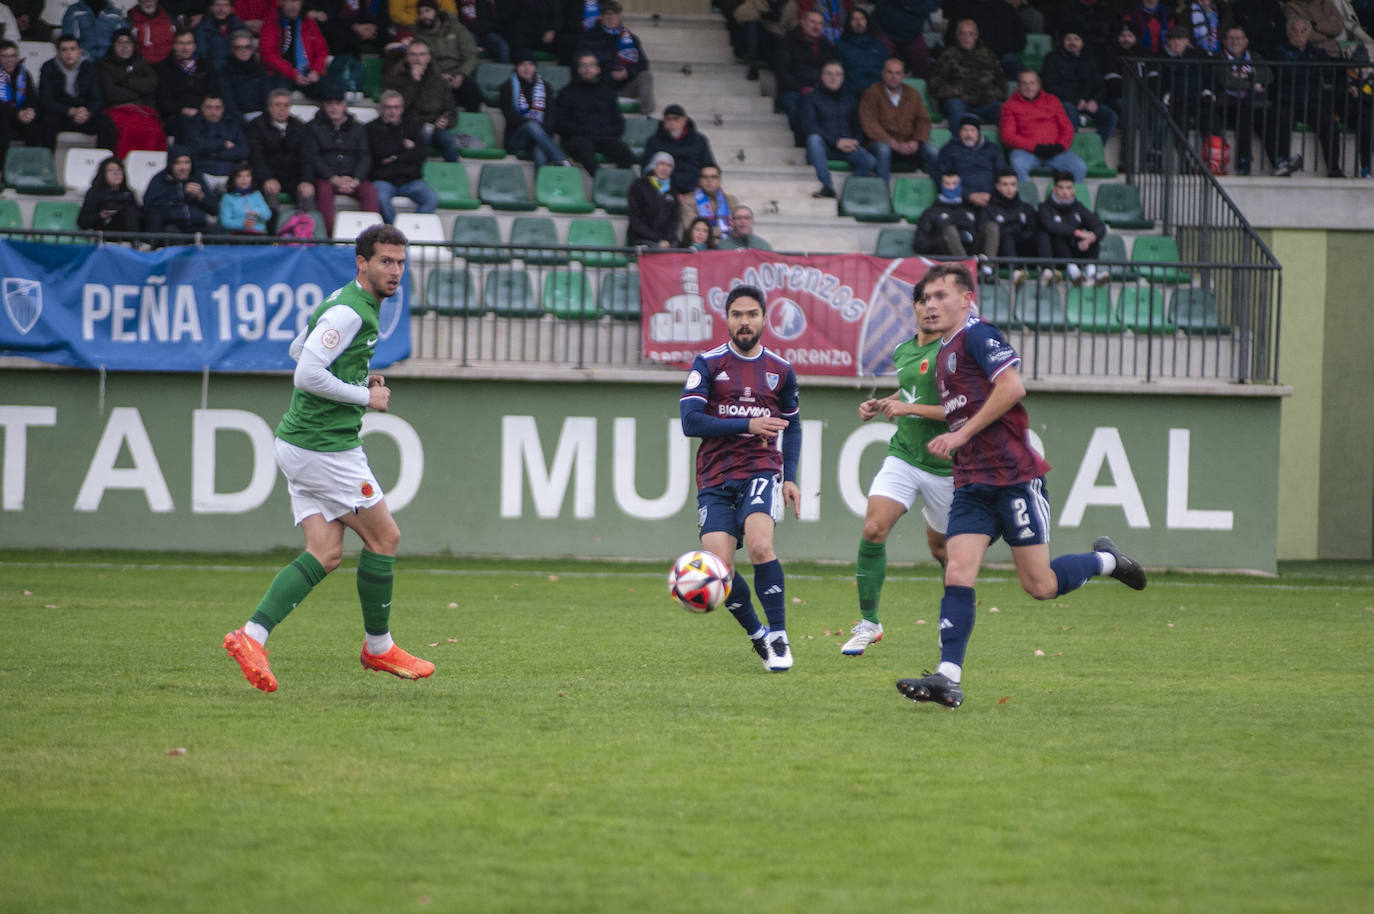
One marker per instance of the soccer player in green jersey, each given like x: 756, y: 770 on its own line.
x: 320, y: 452
x: 909, y: 470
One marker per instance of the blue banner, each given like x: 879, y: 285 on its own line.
x: 179, y: 309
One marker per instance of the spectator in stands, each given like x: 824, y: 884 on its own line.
x: 532, y: 24
x: 69, y: 98
x: 28, y: 19
x: 1094, y: 22
x: 587, y: 116
x: 968, y: 77
x: 951, y: 226
x: 1075, y: 79
x: 1302, y: 94
x: 1185, y: 82
x: 1070, y: 231
x: 1263, y: 21
x: 691, y: 150
x: 861, y: 53
x: 835, y: 13
x: 216, y: 142
x: 710, y: 202
x: 1125, y: 54
x: 1036, y: 131
x: 215, y: 31
x: 1031, y: 18
x: 974, y: 159
x: 697, y: 236
x: 1204, y: 22
x: 763, y: 24
x: 18, y: 100
x: 527, y: 108
x: 154, y: 31
x: 242, y: 209
x: 245, y: 81
x: 653, y: 206
x: 128, y: 87
x: 280, y: 144
x: 293, y: 49
x: 1356, y: 109
x: 1244, y: 92
x: 830, y: 118
x: 1018, y: 222
x: 178, y: 200
x: 253, y: 13
x: 797, y: 64
x: 1000, y: 30
x: 350, y: 25
x: 894, y: 119
x: 109, y: 205
x: 578, y: 18
x: 621, y: 57
x: 184, y: 79
x: 341, y: 160
x: 1150, y: 21
x: 1330, y: 23
x: 904, y: 22
x: 480, y: 17
x: 453, y: 52
x: 741, y: 235
x: 94, y: 23
x: 427, y: 97
x: 398, y: 158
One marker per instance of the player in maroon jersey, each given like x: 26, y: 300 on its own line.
x: 999, y: 486
x: 738, y: 398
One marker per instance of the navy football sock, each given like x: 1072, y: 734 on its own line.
x: 1074, y: 569
x: 956, y: 623
x: 769, y: 586
x: 741, y: 607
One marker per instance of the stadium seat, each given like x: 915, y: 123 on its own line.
x: 1088, y: 145
x: 1141, y: 308
x: 503, y: 187
x: 542, y: 234
x: 1114, y: 249
x: 910, y: 198
x: 427, y: 228
x: 619, y: 296
x: 595, y: 233
x: 1029, y: 191
x: 479, y: 125
x: 866, y: 200
x: 895, y: 242
x: 80, y: 165
x: 611, y: 188
x: 29, y: 170
x: 568, y: 295
x: 1042, y: 307
x: 993, y: 134
x: 556, y: 77
x: 33, y: 54
x: 915, y: 82
x: 995, y: 304
x: 1158, y: 249
x: 1195, y: 311
x: 55, y: 216
x: 1090, y: 308
x: 141, y: 166
x: 1038, y: 44
x: 10, y: 216
x: 304, y: 113
x: 490, y: 77
x: 349, y: 224
x: 1119, y: 206
x: 510, y: 293
x: 451, y: 292
x: 477, y: 236
x: 450, y: 182
x: 372, y: 78
x: 559, y: 189
x: 940, y: 137
x: 637, y: 132
x: 629, y: 106
x: 364, y: 114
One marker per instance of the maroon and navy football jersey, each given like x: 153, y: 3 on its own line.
x: 969, y: 363
x: 733, y: 387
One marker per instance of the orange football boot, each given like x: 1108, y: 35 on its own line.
x: 398, y: 663
x: 252, y: 659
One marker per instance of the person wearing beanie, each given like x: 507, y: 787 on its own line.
x: 1074, y: 76
x: 527, y: 105
x: 621, y: 56
x: 178, y: 199
x: 974, y: 159
x: 653, y: 205
x: 453, y: 50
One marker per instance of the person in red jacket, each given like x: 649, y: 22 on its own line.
x: 293, y: 48
x: 153, y: 30
x: 254, y: 13
x: 1036, y: 131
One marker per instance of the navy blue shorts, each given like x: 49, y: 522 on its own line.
x: 723, y: 508
x: 1019, y: 514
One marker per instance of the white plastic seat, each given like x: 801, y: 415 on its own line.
x: 141, y: 166
x: 363, y: 114
x: 425, y: 227
x: 33, y: 54
x: 349, y: 224
x: 80, y: 166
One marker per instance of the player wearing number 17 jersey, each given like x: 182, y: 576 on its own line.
x: 999, y: 487
x: 738, y: 398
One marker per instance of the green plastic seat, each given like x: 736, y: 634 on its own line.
x: 372, y: 78
x: 1141, y: 308
x: 568, y: 295
x: 450, y: 182
x: 629, y: 106
x: 940, y: 137
x: 452, y: 292
x: 1152, y: 249
x: 10, y: 216
x: 915, y: 82
x: 559, y: 189
x: 556, y: 78
x: 479, y: 124
x: 911, y: 197
x: 30, y: 170
x: 839, y: 165
x: 474, y: 238
x: 510, y: 293
x: 55, y: 216
x: 995, y: 305
x: 1119, y: 206
x: 1088, y: 145
x: 866, y: 200
x: 541, y: 233
x: 637, y: 132
x: 1090, y: 308
x: 1038, y: 45
x: 992, y: 133
x: 1195, y: 311
x: 1029, y: 191
x: 619, y: 296
x: 1113, y: 248
x: 895, y: 242
x: 490, y: 77
x: 611, y: 188
x: 594, y: 233
x: 503, y: 187
x: 1042, y: 307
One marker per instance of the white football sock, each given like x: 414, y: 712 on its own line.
x: 256, y: 632
x: 951, y: 671
x: 761, y: 633
x: 1108, y: 562
x: 378, y: 644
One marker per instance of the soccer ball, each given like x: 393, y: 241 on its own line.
x: 699, y: 581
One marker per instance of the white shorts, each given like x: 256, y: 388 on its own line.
x: 329, y: 483
x: 902, y: 482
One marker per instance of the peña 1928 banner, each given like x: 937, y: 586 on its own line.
x: 178, y: 309
x: 828, y: 315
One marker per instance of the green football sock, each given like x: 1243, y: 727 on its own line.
x: 289, y: 588
x: 374, y: 590
x: 869, y: 573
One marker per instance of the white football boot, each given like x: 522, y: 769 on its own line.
x: 779, y: 653
x: 863, y: 634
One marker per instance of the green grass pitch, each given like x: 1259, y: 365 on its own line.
x: 586, y: 746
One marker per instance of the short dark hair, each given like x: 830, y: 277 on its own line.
x: 64, y: 38
x: 739, y: 292
x: 1064, y: 176
x: 918, y: 291
x: 956, y: 271
x: 7, y: 45
x: 367, y: 242
x: 1006, y: 173
x: 949, y: 173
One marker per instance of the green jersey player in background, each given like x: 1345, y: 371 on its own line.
x: 320, y: 452
x: 908, y: 470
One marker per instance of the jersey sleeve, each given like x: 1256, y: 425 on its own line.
x: 334, y: 331
x: 789, y: 397
x: 692, y: 407
x: 986, y: 345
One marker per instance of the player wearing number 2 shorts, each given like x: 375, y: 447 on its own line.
x: 999, y: 487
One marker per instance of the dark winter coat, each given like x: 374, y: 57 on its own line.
x: 934, y: 220
x: 798, y: 61
x: 338, y: 151
x: 127, y: 82
x: 119, y: 199
x: 690, y: 154
x: 279, y: 155
x: 603, y: 44
x: 833, y: 115
x: 1063, y: 220
x: 177, y: 89
x: 245, y: 85
x: 1015, y: 217
x: 653, y: 216
x: 427, y: 98
x: 1073, y: 79
x: 215, y: 147
x: 53, y: 99
x: 391, y: 160
x: 977, y: 165
x: 514, y: 120
x: 589, y: 109
x: 166, y: 196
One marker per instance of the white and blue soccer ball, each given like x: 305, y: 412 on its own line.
x: 699, y: 581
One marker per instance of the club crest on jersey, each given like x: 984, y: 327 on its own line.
x: 925, y: 365
x: 367, y: 490
x: 693, y: 379
x: 949, y: 363
x: 772, y: 378
x: 330, y: 339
